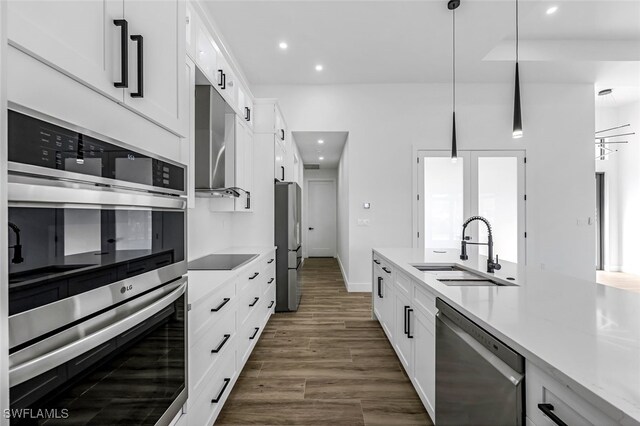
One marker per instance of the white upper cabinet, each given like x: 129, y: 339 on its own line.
x: 190, y: 31
x: 244, y: 164
x: 78, y: 38
x: 156, y: 92
x: 103, y: 45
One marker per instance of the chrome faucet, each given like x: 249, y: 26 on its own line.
x: 491, y: 265
x: 17, y: 249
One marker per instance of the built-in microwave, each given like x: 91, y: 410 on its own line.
x: 97, y: 286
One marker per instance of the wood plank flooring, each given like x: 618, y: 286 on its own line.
x: 621, y: 280
x: 328, y: 363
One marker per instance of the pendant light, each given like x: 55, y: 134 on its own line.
x: 517, y: 110
x: 453, y: 5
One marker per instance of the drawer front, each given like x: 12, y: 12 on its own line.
x: 250, y: 333
x: 249, y: 300
x: 567, y: 405
x: 403, y: 283
x: 212, y: 309
x: 425, y: 301
x: 209, y: 402
x: 269, y: 260
x: 207, y: 351
x: 269, y: 282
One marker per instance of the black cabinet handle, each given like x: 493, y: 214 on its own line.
x: 270, y: 281
x: 547, y: 409
x: 270, y: 305
x: 255, y: 300
x: 220, y: 306
x: 216, y: 350
x: 282, y: 167
x: 139, y: 40
x: 222, y: 80
x: 124, y: 52
x: 380, y: 287
x: 224, y: 387
x: 386, y: 270
x: 254, y: 275
x: 409, y: 335
x: 247, y: 113
x: 377, y: 262
x: 254, y: 333
x: 405, y: 319
x: 270, y: 261
x: 281, y: 134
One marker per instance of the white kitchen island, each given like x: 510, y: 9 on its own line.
x: 581, y: 340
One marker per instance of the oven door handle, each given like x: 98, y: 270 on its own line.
x: 40, y: 364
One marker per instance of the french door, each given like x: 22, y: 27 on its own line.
x: 485, y: 183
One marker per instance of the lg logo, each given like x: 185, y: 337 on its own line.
x: 125, y: 289
x: 131, y: 156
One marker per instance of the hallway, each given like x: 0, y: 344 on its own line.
x: 328, y: 363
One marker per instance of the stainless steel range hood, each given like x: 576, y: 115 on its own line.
x: 215, y: 145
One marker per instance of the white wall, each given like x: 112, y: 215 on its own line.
x: 343, y: 211
x: 310, y: 174
x: 387, y: 122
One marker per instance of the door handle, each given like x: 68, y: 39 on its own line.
x: 255, y: 300
x: 254, y: 275
x: 377, y: 262
x: 547, y: 409
x: 386, y: 270
x: 281, y: 134
x: 124, y: 52
x: 270, y: 281
x: 247, y: 113
x: 380, y: 287
x: 282, y: 167
x: 270, y: 305
x: 220, y: 306
x: 140, y: 41
x: 254, y: 333
x: 409, y: 335
x: 224, y: 341
x: 224, y: 387
x: 405, y: 320
x: 311, y: 229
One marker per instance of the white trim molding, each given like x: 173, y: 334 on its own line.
x: 353, y: 287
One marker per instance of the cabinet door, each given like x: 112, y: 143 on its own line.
x: 78, y: 38
x: 279, y: 172
x: 403, y: 344
x: 388, y: 306
x: 207, y: 53
x: 190, y: 31
x: 378, y: 295
x: 161, y: 23
x: 244, y: 164
x: 424, y: 358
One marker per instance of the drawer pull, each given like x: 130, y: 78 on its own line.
x: 409, y: 335
x: 270, y: 281
x: 224, y: 341
x: 270, y: 261
x: 377, y: 262
x: 254, y: 275
x: 220, y: 306
x: 547, y: 409
x: 254, y: 333
x: 255, y: 300
x: 270, y: 305
x: 384, y: 268
x: 380, y: 287
x: 224, y: 387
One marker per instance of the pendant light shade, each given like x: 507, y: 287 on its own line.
x: 517, y: 107
x: 453, y: 5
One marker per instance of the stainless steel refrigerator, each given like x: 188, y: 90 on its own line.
x: 288, y: 217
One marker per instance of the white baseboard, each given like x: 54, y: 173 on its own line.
x: 353, y: 287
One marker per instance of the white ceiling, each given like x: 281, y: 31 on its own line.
x: 330, y: 150
x: 403, y: 41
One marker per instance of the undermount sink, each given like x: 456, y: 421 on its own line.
x: 452, y: 275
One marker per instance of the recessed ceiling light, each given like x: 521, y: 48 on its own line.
x: 552, y: 10
x: 283, y: 45
x: 320, y: 158
x: 320, y: 141
x: 319, y: 67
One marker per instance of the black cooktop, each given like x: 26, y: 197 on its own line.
x: 220, y: 262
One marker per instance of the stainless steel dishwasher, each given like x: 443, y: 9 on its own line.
x: 479, y: 379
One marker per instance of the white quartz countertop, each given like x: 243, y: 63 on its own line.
x: 584, y: 334
x: 199, y: 288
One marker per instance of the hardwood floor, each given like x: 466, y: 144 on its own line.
x: 622, y: 280
x: 328, y: 363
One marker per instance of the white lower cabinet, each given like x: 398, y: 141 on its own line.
x: 424, y: 355
x: 224, y: 327
x: 403, y: 341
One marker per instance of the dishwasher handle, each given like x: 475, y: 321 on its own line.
x: 499, y: 365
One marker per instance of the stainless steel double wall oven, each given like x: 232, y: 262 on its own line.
x: 97, y: 286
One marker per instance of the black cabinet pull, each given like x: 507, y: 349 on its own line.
x: 270, y: 281
x: 254, y: 333
x: 547, y: 409
x: 380, y: 287
x: 405, y: 319
x: 270, y: 261
x: 254, y: 275
x: 282, y: 167
x: 247, y: 113
x: 139, y: 40
x: 255, y: 300
x: 222, y: 79
x: 124, y: 52
x: 224, y: 387
x: 377, y: 262
x: 384, y: 268
x: 281, y: 134
x: 409, y: 335
x: 220, y: 306
x: 216, y: 350
x: 270, y: 305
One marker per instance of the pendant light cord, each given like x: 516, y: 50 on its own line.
x: 517, y: 33
x: 454, y: 60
